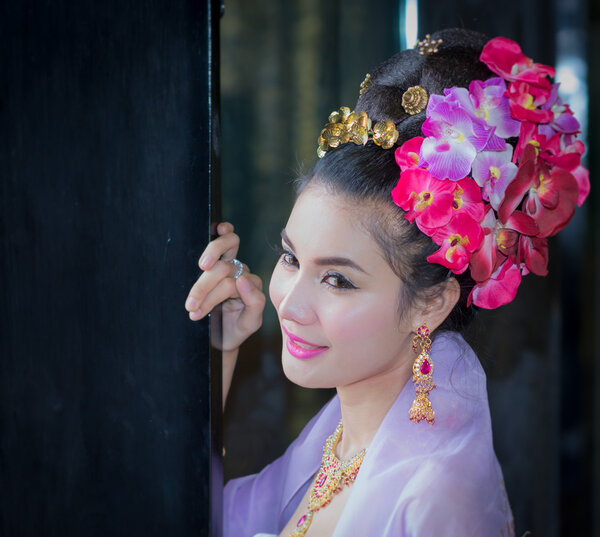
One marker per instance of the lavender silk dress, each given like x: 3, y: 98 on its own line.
x: 416, y: 480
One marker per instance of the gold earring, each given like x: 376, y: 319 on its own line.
x: 421, y: 408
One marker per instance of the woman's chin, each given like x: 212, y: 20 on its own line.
x: 304, y: 373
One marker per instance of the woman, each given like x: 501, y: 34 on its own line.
x: 437, y: 196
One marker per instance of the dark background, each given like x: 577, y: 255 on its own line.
x: 285, y: 66
x: 108, y: 113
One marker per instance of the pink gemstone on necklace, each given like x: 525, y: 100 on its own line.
x: 322, y: 480
x: 425, y: 367
x: 301, y: 521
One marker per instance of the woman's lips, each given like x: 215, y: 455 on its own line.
x: 299, y: 348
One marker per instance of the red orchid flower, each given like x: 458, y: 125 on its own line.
x: 500, y: 241
x: 424, y: 198
x: 548, y: 196
x: 582, y: 176
x: 505, y: 58
x: 566, y: 158
x: 458, y: 239
x: 534, y: 253
x: 407, y: 155
x: 499, y: 289
x: 565, y: 153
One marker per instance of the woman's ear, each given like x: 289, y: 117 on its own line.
x: 436, y: 308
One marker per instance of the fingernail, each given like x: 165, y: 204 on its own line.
x: 191, y: 304
x: 206, y: 261
x: 195, y: 315
x: 245, y: 284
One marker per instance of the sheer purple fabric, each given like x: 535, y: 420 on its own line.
x: 417, y: 480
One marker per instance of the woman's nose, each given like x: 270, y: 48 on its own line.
x: 297, y: 302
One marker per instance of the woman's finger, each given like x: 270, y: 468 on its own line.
x: 254, y: 299
x: 205, y: 283
x: 224, y: 227
x: 226, y: 247
x: 224, y: 290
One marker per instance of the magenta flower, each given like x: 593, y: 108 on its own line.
x: 424, y: 198
x: 526, y: 101
x: 453, y: 138
x: 499, y: 289
x: 492, y: 106
x: 407, y: 155
x: 467, y: 199
x: 458, y: 240
x: 493, y: 170
x: 505, y: 58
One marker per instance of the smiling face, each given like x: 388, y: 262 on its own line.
x: 337, y: 298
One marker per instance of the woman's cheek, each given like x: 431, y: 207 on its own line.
x: 276, y: 292
x: 361, y: 320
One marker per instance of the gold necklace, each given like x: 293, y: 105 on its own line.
x: 332, y: 476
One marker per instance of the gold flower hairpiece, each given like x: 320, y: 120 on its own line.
x: 428, y: 45
x: 345, y: 126
x: 365, y: 83
x: 414, y: 100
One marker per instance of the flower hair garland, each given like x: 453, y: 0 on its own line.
x: 488, y: 206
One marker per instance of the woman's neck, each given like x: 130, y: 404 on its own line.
x: 364, y: 405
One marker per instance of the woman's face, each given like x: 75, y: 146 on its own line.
x: 337, y: 297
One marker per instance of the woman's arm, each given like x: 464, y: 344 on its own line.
x: 242, y: 298
x: 229, y: 361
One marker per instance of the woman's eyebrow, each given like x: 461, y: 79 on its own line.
x: 322, y: 261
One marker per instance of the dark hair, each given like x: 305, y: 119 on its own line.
x: 368, y: 174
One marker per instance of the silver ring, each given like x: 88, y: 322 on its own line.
x: 239, y: 267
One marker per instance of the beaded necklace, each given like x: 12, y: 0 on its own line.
x: 333, y: 475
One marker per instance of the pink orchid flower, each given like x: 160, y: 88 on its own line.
x: 467, y: 199
x: 452, y: 140
x: 407, y: 155
x: 458, y: 239
x: 499, y: 289
x: 493, y: 171
x: 549, y: 197
x: 525, y: 101
x: 424, y: 198
x: 505, y: 58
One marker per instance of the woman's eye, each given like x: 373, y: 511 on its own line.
x: 336, y: 280
x: 288, y: 258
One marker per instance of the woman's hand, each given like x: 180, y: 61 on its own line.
x: 243, y: 300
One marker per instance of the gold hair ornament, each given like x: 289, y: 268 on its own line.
x: 366, y: 83
x: 428, y: 46
x: 345, y: 126
x: 414, y: 100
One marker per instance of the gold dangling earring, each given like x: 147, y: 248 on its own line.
x: 421, y: 408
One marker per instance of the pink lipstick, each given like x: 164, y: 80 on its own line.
x: 300, y: 348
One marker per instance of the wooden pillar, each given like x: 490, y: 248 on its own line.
x: 108, y: 155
